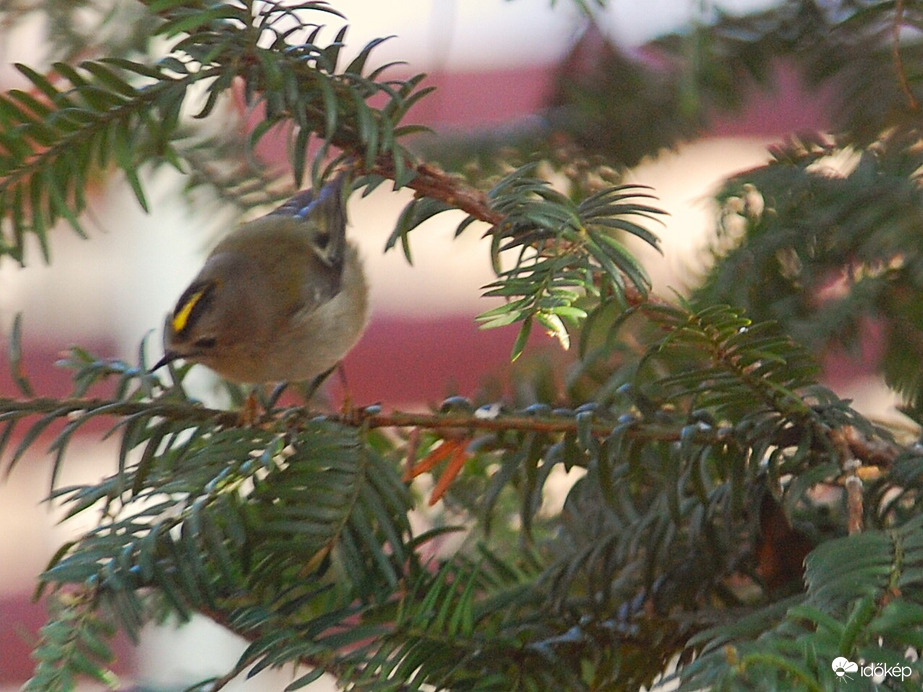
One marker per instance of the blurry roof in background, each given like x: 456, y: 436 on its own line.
x: 464, y: 35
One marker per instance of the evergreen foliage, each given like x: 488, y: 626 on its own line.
x: 707, y: 461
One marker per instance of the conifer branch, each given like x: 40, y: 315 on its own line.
x: 871, y: 451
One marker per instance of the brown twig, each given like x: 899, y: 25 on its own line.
x: 851, y: 482
x: 854, y: 503
x: 872, y: 452
x: 877, y: 453
x: 896, y: 55
x: 431, y: 181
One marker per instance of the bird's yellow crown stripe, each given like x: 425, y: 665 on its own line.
x: 181, y: 318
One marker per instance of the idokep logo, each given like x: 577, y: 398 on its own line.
x: 843, y: 666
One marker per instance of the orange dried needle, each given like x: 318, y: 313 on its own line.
x: 430, y: 460
x: 456, y: 462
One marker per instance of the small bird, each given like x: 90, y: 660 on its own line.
x: 281, y: 299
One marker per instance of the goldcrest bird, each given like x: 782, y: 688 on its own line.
x: 281, y: 299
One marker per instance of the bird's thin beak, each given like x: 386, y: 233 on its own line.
x: 168, y: 357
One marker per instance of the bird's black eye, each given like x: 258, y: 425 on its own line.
x: 206, y: 342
